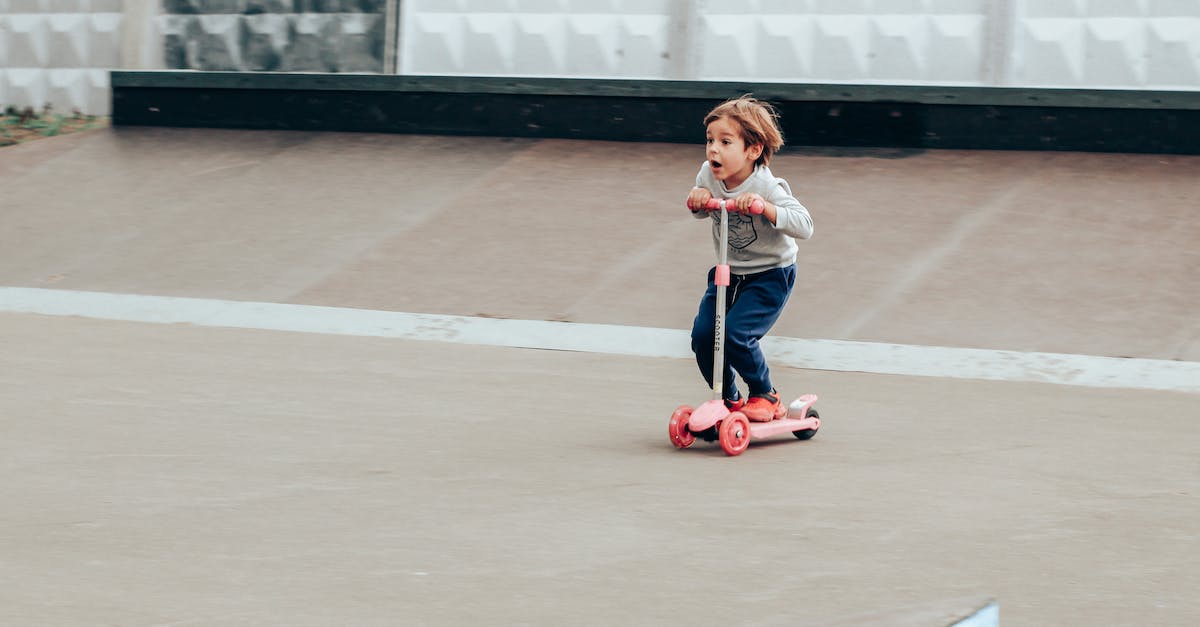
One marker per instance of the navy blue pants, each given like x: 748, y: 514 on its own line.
x: 753, y: 303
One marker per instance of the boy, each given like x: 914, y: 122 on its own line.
x: 742, y: 136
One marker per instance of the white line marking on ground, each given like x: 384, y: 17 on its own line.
x: 837, y: 355
x: 987, y: 616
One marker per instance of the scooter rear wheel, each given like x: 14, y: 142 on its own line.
x: 681, y: 436
x: 735, y: 433
x: 807, y: 434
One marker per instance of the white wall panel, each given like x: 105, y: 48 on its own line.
x: 957, y: 52
x: 1039, y: 9
x: 68, y: 40
x: 28, y: 40
x: 899, y: 46
x: 726, y: 52
x: 1174, y: 46
x: 764, y: 40
x: 883, y: 41
x: 104, y: 40
x: 58, y: 52
x: 27, y: 87
x: 541, y: 40
x: 597, y: 38
x: 1130, y: 44
x: 1115, y: 52
x: 62, y: 6
x: 1049, y: 50
x: 590, y: 46
x: 841, y: 48
x: 643, y: 40
x: 784, y: 46
x: 67, y: 85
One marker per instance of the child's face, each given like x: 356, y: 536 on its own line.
x: 731, y: 159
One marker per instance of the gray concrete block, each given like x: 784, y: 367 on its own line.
x: 271, y: 36
x: 254, y: 7
x: 341, y: 6
x: 360, y: 46
x: 214, y: 42
x: 263, y: 38
x: 199, y: 7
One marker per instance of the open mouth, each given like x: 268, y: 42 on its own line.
x: 714, y: 163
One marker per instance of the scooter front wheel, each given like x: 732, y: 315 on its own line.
x: 681, y: 436
x: 735, y: 433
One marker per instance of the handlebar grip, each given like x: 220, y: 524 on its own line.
x: 714, y: 204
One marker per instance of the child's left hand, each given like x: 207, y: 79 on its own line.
x: 745, y: 201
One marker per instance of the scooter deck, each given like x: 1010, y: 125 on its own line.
x: 781, y: 426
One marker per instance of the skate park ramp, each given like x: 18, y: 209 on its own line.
x: 311, y: 378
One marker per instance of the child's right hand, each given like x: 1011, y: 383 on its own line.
x: 698, y: 198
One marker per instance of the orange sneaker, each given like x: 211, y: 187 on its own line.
x: 736, y: 404
x: 764, y: 407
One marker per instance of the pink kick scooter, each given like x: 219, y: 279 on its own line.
x: 734, y: 430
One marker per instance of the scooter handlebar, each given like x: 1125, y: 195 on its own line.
x: 714, y: 204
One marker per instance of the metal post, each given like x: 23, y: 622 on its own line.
x: 140, y: 50
x: 391, y: 37
x: 684, y: 23
x: 999, y: 46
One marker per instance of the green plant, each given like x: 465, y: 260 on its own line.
x: 24, y: 124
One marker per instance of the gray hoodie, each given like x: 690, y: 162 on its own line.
x: 755, y: 244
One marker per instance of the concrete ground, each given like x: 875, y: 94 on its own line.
x: 177, y: 474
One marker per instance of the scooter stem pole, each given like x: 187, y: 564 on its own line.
x: 721, y: 281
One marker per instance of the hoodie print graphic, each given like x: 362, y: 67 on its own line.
x: 741, y: 230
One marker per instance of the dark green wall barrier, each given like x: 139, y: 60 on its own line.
x: 669, y: 111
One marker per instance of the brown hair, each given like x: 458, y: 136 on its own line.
x: 758, y: 120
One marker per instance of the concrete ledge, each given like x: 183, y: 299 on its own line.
x: 902, y: 116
